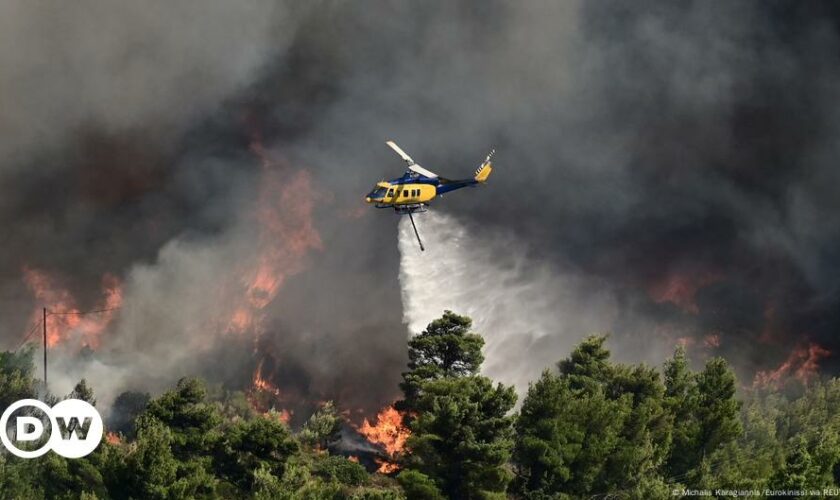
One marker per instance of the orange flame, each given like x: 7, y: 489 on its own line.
x: 680, y: 289
x: 802, y: 364
x: 389, y: 433
x: 284, y: 210
x: 113, y: 438
x: 386, y: 467
x: 264, y: 396
x: 262, y: 384
x: 64, y: 319
x: 285, y: 416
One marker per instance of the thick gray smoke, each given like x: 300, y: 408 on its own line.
x: 665, y: 171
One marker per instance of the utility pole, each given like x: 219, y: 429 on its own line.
x: 44, y: 322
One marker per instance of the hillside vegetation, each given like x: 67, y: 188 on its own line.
x: 588, y: 428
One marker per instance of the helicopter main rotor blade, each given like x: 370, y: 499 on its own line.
x: 400, y: 152
x: 422, y: 171
x: 412, y: 165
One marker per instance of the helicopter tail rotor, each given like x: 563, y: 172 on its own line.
x: 484, y: 170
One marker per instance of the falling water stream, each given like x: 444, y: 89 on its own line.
x: 529, y: 312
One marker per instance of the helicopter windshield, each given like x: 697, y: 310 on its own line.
x: 378, y: 192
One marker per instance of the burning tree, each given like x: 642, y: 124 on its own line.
x: 389, y: 432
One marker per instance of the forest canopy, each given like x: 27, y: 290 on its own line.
x: 587, y: 428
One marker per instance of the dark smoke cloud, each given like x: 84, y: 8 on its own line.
x: 639, y: 145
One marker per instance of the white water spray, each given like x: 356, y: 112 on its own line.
x: 530, y: 313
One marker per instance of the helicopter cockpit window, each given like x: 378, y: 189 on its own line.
x: 378, y: 192
x: 390, y: 192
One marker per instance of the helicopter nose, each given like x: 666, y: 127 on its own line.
x: 367, y: 199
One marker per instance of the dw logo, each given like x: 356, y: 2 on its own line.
x: 75, y: 428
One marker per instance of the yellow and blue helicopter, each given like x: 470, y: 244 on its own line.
x: 418, y: 186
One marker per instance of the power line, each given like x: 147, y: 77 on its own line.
x: 59, y: 313
x: 28, y: 335
x: 43, y: 323
x: 65, y: 313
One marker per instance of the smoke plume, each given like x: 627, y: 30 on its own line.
x: 665, y: 172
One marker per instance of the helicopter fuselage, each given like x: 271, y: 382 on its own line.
x: 412, y: 189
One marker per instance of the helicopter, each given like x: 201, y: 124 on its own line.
x: 414, y: 191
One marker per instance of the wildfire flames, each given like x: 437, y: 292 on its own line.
x: 680, y: 289
x: 65, y: 319
x: 802, y: 364
x: 386, y: 467
x: 389, y: 433
x: 284, y: 213
x: 285, y: 416
x: 283, y: 235
x: 262, y: 384
x: 264, y: 395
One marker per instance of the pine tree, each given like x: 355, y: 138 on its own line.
x: 707, y: 419
x: 192, y: 421
x: 681, y: 399
x: 84, y: 392
x: 461, y: 428
x: 16, y: 381
x: 446, y: 348
x: 418, y: 486
x: 263, y: 442
x: 717, y: 409
x: 151, y: 468
x: 594, y: 428
x: 587, y: 367
x: 798, y: 471
x: 323, y: 429
x: 462, y: 436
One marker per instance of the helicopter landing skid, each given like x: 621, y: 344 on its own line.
x: 411, y: 209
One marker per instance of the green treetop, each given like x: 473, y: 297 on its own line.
x: 446, y: 348
x: 462, y: 432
